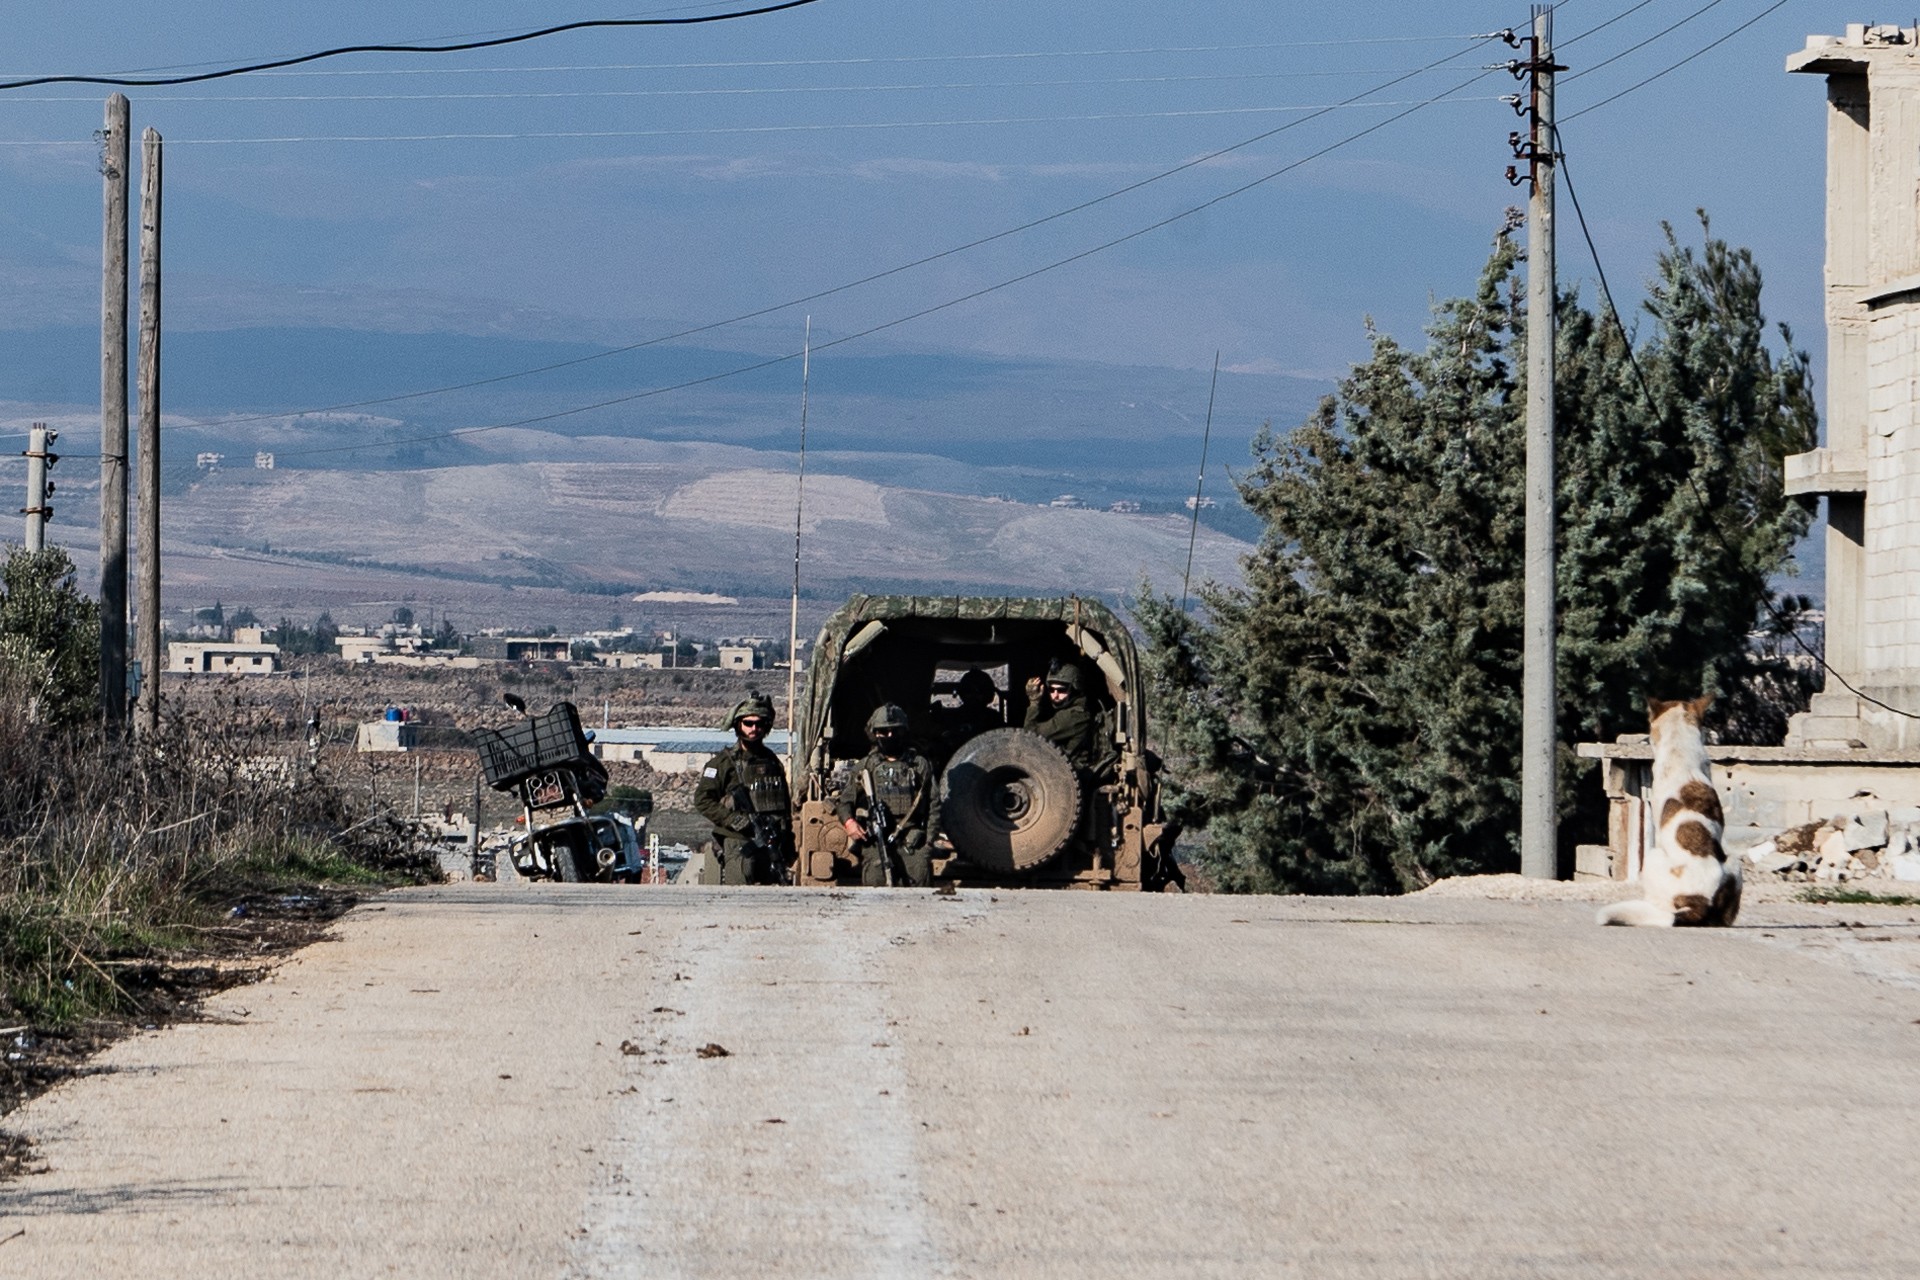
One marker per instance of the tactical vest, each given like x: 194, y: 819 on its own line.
x: 897, y: 785
x: 765, y: 781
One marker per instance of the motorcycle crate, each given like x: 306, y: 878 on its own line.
x: 552, y: 739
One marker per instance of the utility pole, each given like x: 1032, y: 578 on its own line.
x: 38, y: 486
x: 149, y: 569
x: 1539, y: 817
x: 113, y: 414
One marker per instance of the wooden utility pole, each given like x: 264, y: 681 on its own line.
x: 149, y: 569
x: 39, y: 456
x: 113, y: 415
x: 1539, y: 736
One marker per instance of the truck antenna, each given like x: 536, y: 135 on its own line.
x: 1193, y: 529
x: 799, y: 495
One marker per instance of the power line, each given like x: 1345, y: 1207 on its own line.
x: 911, y: 316
x: 1653, y: 403
x: 1195, y: 162
x: 459, y: 47
x: 767, y: 63
x: 1778, y: 4
x: 175, y: 140
x: 735, y: 91
x: 1635, y: 48
x: 1590, y: 30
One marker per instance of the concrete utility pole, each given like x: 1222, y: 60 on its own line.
x: 1539, y: 818
x: 38, y: 486
x: 149, y: 569
x: 113, y: 415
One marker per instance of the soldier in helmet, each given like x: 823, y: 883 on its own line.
x: 897, y: 776
x: 1059, y: 711
x: 744, y: 780
x: 976, y: 714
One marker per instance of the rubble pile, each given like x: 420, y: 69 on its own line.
x: 1880, y: 845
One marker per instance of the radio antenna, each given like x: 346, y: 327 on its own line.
x: 799, y: 497
x: 1199, y: 486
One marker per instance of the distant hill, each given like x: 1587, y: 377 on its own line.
x: 1028, y: 429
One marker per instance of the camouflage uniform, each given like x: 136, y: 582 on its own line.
x: 1076, y: 726
x: 903, y: 782
x: 753, y: 766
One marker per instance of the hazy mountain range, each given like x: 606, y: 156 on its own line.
x: 925, y: 472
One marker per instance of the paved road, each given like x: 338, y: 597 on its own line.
x: 1007, y: 1085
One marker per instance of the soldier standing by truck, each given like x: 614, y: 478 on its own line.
x: 899, y: 780
x: 743, y: 793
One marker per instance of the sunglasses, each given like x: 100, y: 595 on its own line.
x: 752, y: 722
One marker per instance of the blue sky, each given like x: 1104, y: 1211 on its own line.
x: 734, y: 166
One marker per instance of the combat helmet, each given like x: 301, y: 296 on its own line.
x: 887, y: 716
x: 1065, y: 673
x: 754, y: 704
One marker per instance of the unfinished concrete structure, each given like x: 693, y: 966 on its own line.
x: 1869, y: 471
x: 1847, y: 753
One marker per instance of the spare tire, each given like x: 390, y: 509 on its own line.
x: 1012, y: 800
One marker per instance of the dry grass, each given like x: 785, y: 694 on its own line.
x: 117, y: 849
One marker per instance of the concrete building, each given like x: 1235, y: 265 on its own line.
x: 737, y: 657
x: 385, y: 735
x: 1869, y: 469
x: 522, y: 648
x: 671, y: 749
x: 360, y: 649
x: 247, y: 654
x: 1848, y: 753
x: 631, y: 661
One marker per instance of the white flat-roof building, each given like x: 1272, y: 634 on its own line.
x: 671, y: 749
x: 247, y: 654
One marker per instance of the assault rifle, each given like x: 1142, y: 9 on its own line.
x: 766, y: 832
x: 879, y: 824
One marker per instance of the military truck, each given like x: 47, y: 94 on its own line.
x: 1012, y: 810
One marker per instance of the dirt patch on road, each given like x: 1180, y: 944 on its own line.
x: 258, y: 930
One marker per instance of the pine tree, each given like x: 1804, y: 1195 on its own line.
x: 49, y: 639
x: 1349, y: 719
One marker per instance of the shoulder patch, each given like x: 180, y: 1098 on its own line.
x: 711, y: 772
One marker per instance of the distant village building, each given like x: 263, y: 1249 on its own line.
x: 263, y: 461
x: 738, y: 657
x: 360, y: 649
x: 1201, y: 504
x: 1125, y: 507
x: 522, y: 648
x: 247, y: 654
x: 671, y: 749
x: 209, y: 461
x: 631, y: 661
x: 1067, y: 501
x: 386, y: 735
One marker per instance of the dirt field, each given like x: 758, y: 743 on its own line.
x: 448, y: 705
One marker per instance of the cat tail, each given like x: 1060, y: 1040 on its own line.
x: 1637, y: 911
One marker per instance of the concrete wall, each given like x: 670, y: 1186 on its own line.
x: 1763, y: 790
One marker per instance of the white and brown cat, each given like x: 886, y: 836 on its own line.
x: 1686, y: 878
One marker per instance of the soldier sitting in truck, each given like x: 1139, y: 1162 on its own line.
x: 1059, y: 711
x: 953, y: 727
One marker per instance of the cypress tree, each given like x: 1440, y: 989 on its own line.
x: 1348, y: 720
